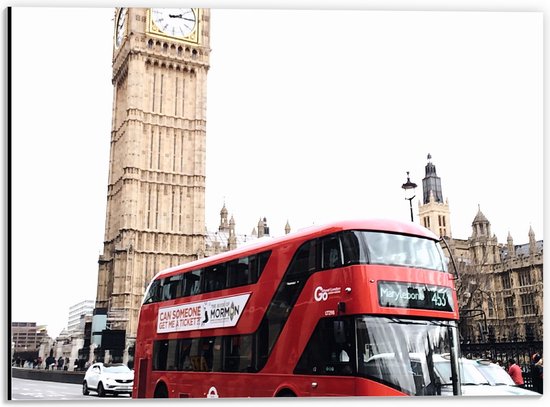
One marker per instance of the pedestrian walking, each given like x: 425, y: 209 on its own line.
x: 536, y: 372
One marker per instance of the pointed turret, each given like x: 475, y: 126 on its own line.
x: 532, y: 242
x: 232, y: 239
x: 433, y: 212
x: 287, y: 228
x: 224, y: 227
x: 481, y: 227
x: 431, y: 183
x: 510, y: 244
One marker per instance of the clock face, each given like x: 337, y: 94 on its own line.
x: 121, y: 24
x: 175, y: 22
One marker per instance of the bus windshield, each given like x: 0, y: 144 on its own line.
x: 400, y: 352
x: 367, y: 247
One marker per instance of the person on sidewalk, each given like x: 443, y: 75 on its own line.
x: 515, y: 373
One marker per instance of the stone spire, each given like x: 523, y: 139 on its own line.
x: 510, y: 244
x: 532, y: 242
x: 263, y: 229
x: 433, y: 212
x: 431, y: 183
x: 260, y: 228
x: 224, y: 227
x: 232, y: 239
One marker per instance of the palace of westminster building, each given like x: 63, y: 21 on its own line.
x: 155, y: 215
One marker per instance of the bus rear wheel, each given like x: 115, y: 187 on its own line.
x: 286, y: 393
x: 161, y: 392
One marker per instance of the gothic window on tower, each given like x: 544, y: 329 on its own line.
x: 149, y: 202
x: 176, y: 98
x: 527, y: 304
x: 161, y: 90
x: 154, y: 92
x: 524, y: 277
x: 174, y: 153
x: 173, y: 207
x: 491, y: 307
x: 509, y: 306
x: 151, y: 140
x: 506, y: 281
x: 157, y: 209
x: 159, y: 150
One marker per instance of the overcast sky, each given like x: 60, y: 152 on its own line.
x: 312, y: 115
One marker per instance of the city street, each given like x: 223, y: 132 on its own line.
x: 23, y: 389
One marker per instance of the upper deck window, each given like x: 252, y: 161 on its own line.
x: 229, y: 274
x: 392, y: 249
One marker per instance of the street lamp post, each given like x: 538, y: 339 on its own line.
x: 409, y: 188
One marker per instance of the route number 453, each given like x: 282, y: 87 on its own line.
x: 439, y: 299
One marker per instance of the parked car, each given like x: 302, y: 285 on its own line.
x: 106, y: 378
x: 497, y: 376
x: 475, y: 382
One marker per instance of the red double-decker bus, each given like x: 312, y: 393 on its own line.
x: 353, y: 308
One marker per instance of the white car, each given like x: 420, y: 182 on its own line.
x: 115, y: 378
x: 497, y: 376
x: 477, y: 383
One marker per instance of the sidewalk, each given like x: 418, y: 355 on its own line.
x: 63, y: 376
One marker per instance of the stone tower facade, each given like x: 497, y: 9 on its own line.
x: 156, y: 189
x: 434, y: 214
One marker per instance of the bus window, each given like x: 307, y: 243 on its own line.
x: 154, y: 292
x: 331, y: 252
x: 238, y: 273
x: 257, y: 263
x: 215, y: 277
x: 206, y: 354
x: 184, y: 354
x: 237, y: 353
x: 364, y: 247
x: 172, y: 287
x: 191, y: 282
x: 160, y: 354
x: 353, y: 248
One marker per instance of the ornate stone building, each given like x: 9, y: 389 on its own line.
x: 156, y: 190
x: 226, y: 238
x: 500, y: 286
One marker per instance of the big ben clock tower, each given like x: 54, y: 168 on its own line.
x: 156, y: 189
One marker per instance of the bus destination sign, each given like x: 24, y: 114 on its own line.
x: 411, y: 295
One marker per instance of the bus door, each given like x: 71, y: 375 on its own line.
x: 329, y: 359
x: 142, y: 379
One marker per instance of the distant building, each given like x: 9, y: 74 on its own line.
x: 76, y: 313
x: 500, y: 291
x: 27, y: 336
x: 226, y: 238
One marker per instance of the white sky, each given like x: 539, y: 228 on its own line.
x: 312, y: 115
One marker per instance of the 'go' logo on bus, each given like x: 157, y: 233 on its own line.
x: 321, y: 294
